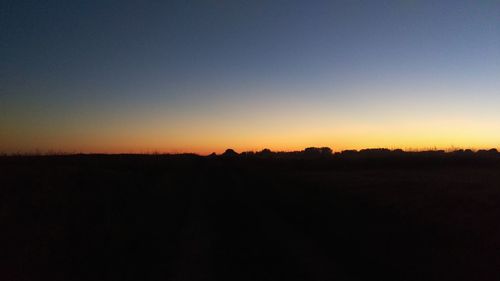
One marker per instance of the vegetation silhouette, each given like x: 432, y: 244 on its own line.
x: 229, y: 153
x: 315, y: 214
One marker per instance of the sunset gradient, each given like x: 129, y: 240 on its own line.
x: 204, y: 76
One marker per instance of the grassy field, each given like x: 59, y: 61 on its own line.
x: 184, y: 217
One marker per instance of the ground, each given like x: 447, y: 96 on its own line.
x: 156, y: 217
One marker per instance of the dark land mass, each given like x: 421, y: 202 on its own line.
x: 311, y: 215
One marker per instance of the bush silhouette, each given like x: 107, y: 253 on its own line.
x: 230, y: 153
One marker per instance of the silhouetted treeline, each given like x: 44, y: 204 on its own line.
x: 307, y: 153
x: 311, y: 155
x: 326, y: 152
x: 308, y: 159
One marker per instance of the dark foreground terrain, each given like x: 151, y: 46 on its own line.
x: 138, y: 217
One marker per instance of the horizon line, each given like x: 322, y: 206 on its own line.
x: 333, y: 151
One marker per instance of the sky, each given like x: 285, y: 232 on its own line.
x: 203, y: 76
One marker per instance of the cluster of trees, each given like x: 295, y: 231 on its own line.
x: 326, y: 152
x: 313, y: 152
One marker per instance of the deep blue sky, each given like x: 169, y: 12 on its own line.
x: 203, y: 75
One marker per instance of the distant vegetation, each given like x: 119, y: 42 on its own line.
x: 307, y: 153
x: 326, y: 152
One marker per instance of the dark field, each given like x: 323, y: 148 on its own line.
x: 132, y: 217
